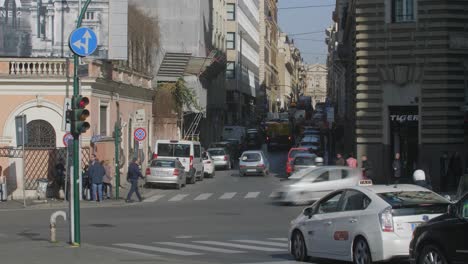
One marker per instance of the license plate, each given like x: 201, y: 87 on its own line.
x: 251, y: 170
x: 414, y: 225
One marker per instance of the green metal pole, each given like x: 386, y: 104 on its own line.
x: 117, y: 132
x: 76, y: 143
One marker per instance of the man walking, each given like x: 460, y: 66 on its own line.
x: 132, y: 176
x: 351, y: 161
x: 396, y: 165
x: 366, y: 168
x: 96, y: 173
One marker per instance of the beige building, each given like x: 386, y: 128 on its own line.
x: 268, y: 72
x: 38, y: 88
x: 409, y: 61
x: 316, y: 83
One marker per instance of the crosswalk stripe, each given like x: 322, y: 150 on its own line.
x: 252, y: 195
x: 203, y: 196
x: 212, y: 249
x: 159, y: 249
x: 178, y: 197
x: 121, y: 250
x: 227, y: 196
x: 279, y: 239
x: 153, y: 198
x: 224, y: 244
x: 263, y: 243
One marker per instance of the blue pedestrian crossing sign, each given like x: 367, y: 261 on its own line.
x: 83, y: 41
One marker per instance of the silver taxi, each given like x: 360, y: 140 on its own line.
x: 363, y: 224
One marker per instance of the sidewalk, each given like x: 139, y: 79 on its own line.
x: 57, y: 204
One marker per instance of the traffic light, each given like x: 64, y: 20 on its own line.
x: 118, y: 133
x: 79, y: 115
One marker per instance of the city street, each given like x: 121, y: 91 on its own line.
x: 227, y: 219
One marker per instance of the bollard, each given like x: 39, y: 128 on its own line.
x: 53, y: 224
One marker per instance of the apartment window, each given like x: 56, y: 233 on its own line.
x: 89, y: 16
x: 103, y: 120
x: 230, y: 70
x: 231, y: 12
x: 403, y: 11
x: 231, y: 40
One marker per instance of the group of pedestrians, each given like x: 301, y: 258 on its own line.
x: 97, y: 179
x: 352, y: 162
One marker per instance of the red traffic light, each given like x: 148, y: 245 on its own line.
x: 84, y: 101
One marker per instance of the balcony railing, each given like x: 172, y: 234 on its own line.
x: 33, y: 67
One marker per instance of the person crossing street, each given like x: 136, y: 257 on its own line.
x: 133, y: 175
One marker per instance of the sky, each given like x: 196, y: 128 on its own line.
x: 312, y: 46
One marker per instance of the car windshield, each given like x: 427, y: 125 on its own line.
x: 173, y: 150
x: 251, y: 157
x: 412, y: 199
x: 306, y: 161
x: 163, y: 163
x: 205, y: 156
x: 216, y: 152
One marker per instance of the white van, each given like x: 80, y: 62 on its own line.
x: 188, y: 153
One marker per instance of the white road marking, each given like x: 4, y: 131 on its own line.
x: 227, y: 196
x: 263, y: 243
x: 279, y: 239
x: 203, y: 196
x: 153, y: 198
x: 224, y: 244
x: 212, y: 249
x: 178, y: 197
x: 252, y: 195
x: 159, y: 249
x: 120, y: 250
x: 184, y: 237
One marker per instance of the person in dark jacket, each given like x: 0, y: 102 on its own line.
x: 366, y: 168
x: 133, y: 175
x: 339, y: 160
x: 419, y: 178
x: 396, y: 165
x: 96, y: 174
x: 59, y: 177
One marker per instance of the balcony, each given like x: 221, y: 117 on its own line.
x: 33, y: 67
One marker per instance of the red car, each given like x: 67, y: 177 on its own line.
x: 291, y: 154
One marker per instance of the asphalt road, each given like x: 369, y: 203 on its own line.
x: 227, y: 219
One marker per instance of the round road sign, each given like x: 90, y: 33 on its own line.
x: 66, y: 138
x: 139, y: 134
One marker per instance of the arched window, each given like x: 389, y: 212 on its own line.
x: 40, y: 134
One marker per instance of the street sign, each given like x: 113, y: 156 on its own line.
x: 139, y: 134
x: 21, y: 131
x: 66, y: 106
x: 83, y: 41
x: 67, y: 138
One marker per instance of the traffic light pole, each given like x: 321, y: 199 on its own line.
x: 76, y: 144
x: 117, y: 133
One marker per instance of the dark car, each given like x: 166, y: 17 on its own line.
x: 444, y: 239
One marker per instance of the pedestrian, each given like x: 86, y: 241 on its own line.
x: 456, y: 170
x: 366, y: 167
x: 351, y: 161
x: 339, y: 160
x: 96, y: 174
x: 133, y: 175
x: 444, y: 168
x: 396, y: 165
x: 107, y: 187
x: 85, y: 182
x: 59, y: 177
x: 419, y: 178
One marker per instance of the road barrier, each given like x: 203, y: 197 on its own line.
x: 53, y: 224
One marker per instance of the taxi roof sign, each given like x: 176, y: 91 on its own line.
x: 365, y: 183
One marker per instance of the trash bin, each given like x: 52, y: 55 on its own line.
x: 42, y: 188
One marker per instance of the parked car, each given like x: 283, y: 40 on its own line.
x: 166, y: 171
x: 220, y: 158
x: 364, y: 224
x: 253, y: 162
x: 309, y: 185
x: 208, y: 165
x: 303, y: 161
x: 188, y: 152
x: 291, y: 154
x: 232, y: 149
x: 443, y: 239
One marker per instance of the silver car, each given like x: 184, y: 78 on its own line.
x: 253, y: 162
x: 166, y: 171
x: 303, y: 161
x: 221, y: 158
x: 309, y: 185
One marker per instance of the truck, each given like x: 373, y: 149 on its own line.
x: 278, y: 135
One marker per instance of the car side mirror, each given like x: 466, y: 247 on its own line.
x: 309, y: 211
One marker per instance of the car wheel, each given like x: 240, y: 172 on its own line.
x: 431, y: 255
x: 299, y: 249
x: 361, y: 252
x: 212, y: 174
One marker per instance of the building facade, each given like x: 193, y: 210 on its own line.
x: 242, y: 67
x: 268, y: 73
x: 411, y: 58
x: 316, y: 83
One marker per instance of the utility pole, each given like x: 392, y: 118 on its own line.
x: 240, y: 75
x: 118, y: 140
